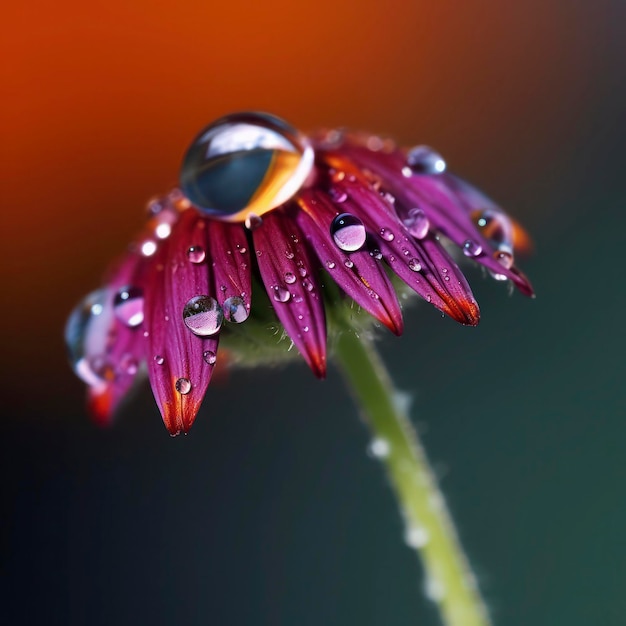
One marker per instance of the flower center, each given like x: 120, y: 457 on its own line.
x: 245, y: 164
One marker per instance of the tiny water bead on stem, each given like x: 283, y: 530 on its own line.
x: 311, y: 226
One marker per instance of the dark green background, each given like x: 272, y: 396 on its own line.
x: 271, y: 513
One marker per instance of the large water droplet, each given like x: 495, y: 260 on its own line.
x: 86, y: 336
x: 245, y: 163
x: 417, y: 223
x: 128, y: 306
x: 348, y: 232
x: 203, y: 316
x: 415, y: 265
x: 183, y: 386
x: 235, y: 309
x: 424, y: 160
x: 496, y: 227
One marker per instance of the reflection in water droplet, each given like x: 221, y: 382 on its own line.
x: 471, y: 248
x: 348, y: 232
x: 128, y: 306
x: 196, y: 254
x: 415, y: 265
x: 245, y: 163
x: 235, y: 309
x: 424, y: 160
x: 209, y: 356
x: 203, y: 316
x: 417, y: 223
x: 183, y: 386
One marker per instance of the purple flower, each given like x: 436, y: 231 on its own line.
x: 266, y: 213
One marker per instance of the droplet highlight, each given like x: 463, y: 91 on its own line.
x: 425, y: 160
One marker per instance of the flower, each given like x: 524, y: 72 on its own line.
x: 266, y: 212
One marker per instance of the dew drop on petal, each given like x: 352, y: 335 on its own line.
x: 159, y: 360
x: 209, y: 357
x: 496, y: 227
x: 203, y: 316
x: 281, y: 294
x: 471, y: 248
x: 417, y: 223
x: 415, y: 265
x: 504, y: 258
x: 338, y: 196
x: 290, y: 278
x: 424, y: 160
x: 235, y: 310
x: 308, y: 284
x: 128, y: 306
x: 196, y: 254
x: 349, y: 264
x: 386, y: 234
x: 245, y: 163
x: 330, y: 265
x: 183, y: 386
x: 348, y: 232
x: 129, y: 365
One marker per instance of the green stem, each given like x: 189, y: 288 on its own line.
x: 449, y: 580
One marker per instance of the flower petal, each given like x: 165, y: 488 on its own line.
x: 423, y: 264
x: 448, y: 202
x: 178, y: 369
x: 358, y: 274
x: 289, y: 273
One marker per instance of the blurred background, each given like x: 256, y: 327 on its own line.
x: 270, y: 512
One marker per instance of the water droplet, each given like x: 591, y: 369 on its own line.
x: 290, y: 278
x: 209, y: 356
x: 446, y: 278
x: 496, y: 227
x: 183, y: 386
x: 416, y: 537
x: 305, y: 329
x: 376, y: 254
x: 302, y: 271
x: 253, y: 221
x: 203, y: 316
x: 128, y: 306
x: 379, y: 448
x: 424, y: 160
x: 308, y: 284
x: 289, y: 254
x: 245, y: 163
x: 504, y: 258
x: 471, y: 248
x: 348, y: 232
x: 415, y: 265
x: 281, y: 294
x: 242, y: 249
x: 417, y: 223
x: 349, y: 264
x: 159, y: 360
x: 386, y: 234
x: 86, y: 337
x: 434, y: 590
x: 235, y: 309
x: 196, y: 254
x: 330, y: 265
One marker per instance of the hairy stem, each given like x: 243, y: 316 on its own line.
x: 449, y: 579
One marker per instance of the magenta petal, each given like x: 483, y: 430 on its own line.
x: 177, y: 365
x: 360, y: 276
x: 447, y: 201
x: 124, y: 346
x: 423, y: 265
x: 289, y: 273
x: 228, y: 249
